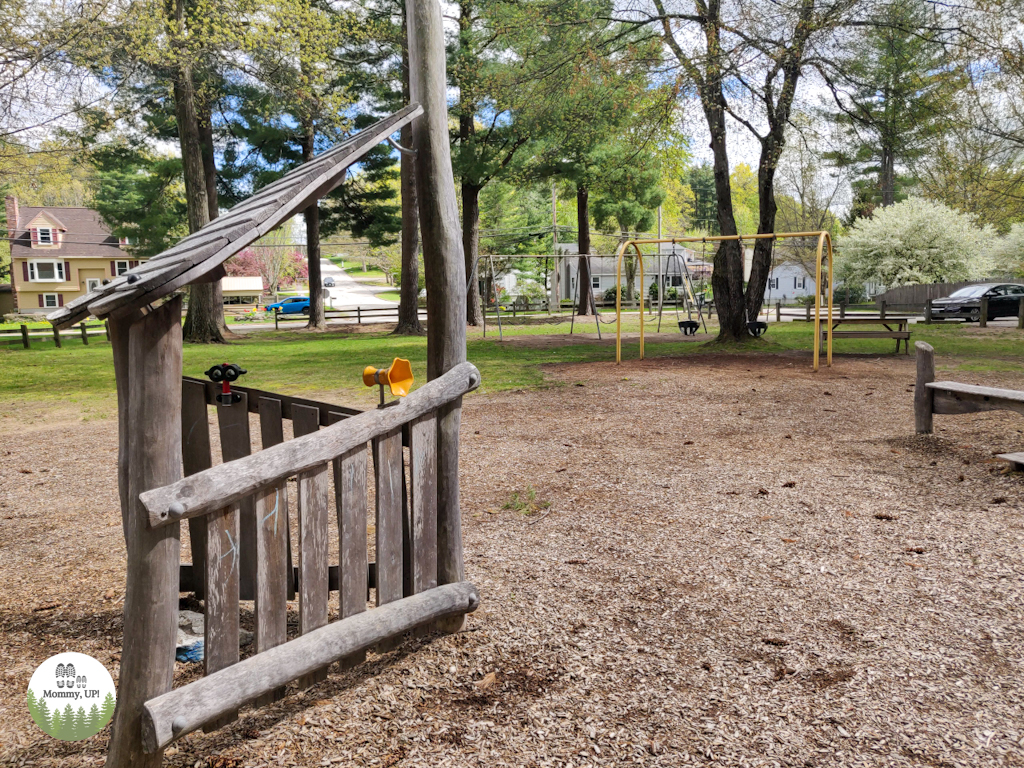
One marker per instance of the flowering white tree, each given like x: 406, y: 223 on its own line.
x: 914, y: 242
x: 1008, y: 252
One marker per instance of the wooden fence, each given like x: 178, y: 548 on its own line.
x: 25, y: 335
x: 919, y: 295
x: 252, y: 491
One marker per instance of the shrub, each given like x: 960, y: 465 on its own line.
x: 916, y: 242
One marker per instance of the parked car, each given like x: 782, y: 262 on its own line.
x: 328, y: 282
x: 293, y: 306
x: 1003, y: 301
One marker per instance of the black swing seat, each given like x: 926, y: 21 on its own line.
x: 688, y: 327
x: 757, y: 328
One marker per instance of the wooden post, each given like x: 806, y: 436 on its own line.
x: 924, y: 398
x: 359, y: 315
x: 147, y: 364
x: 842, y: 310
x: 444, y: 266
x: 24, y: 336
x: 928, y: 313
x: 807, y: 309
x: 85, y: 333
x: 778, y: 311
x: 276, y: 313
x: 56, y: 337
x: 882, y: 308
x: 1020, y: 314
x: 983, y: 319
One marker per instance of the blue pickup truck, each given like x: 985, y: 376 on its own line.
x: 293, y: 306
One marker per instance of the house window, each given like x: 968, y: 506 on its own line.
x: 93, y: 284
x: 50, y: 300
x: 799, y: 282
x: 44, y: 236
x: 120, y: 267
x: 126, y: 241
x: 595, y: 281
x: 773, y: 283
x: 40, y: 271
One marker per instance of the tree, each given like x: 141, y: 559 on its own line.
x: 894, y: 87
x: 915, y: 242
x: 1007, y: 252
x: 140, y: 196
x: 759, y: 56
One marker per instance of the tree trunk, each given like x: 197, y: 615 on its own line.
x: 761, y: 265
x: 202, y: 322
x: 444, y: 264
x: 317, y: 321
x: 583, y: 304
x: 888, y: 176
x: 471, y: 247
x: 727, y: 277
x: 409, y: 291
x: 204, y: 112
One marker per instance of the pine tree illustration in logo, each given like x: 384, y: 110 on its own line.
x: 56, y: 724
x: 95, y: 723
x: 68, y: 720
x: 108, y: 709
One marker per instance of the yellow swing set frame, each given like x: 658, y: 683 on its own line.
x: 824, y: 253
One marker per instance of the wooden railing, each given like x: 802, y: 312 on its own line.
x: 407, y: 594
x: 25, y: 335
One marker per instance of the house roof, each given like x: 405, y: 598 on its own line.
x: 242, y: 283
x: 198, y: 257
x: 47, y: 214
x: 85, y: 233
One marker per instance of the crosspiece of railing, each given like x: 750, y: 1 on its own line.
x: 407, y: 594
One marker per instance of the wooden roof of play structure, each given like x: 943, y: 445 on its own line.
x: 198, y: 257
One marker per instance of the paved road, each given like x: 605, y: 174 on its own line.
x: 348, y: 292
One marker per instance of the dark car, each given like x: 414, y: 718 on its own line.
x: 1003, y: 301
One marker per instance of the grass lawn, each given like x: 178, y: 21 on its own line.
x: 389, y: 295
x: 297, y: 362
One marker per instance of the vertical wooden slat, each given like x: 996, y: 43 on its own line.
x: 273, y: 564
x: 313, y: 537
x: 423, y: 501
x: 234, y: 444
x: 351, y: 501
x: 196, y: 456
x: 223, y: 566
x: 388, y: 468
x: 272, y: 433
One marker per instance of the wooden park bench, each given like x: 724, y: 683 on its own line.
x: 900, y: 332
x: 952, y: 397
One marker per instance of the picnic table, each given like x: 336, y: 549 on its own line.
x: 895, y: 328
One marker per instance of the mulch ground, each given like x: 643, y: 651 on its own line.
x: 729, y: 560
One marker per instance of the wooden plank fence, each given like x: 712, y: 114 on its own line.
x: 406, y: 538
x: 24, y: 336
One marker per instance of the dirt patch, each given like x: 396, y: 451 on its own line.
x: 699, y: 507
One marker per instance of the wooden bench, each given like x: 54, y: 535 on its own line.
x: 952, y: 397
x: 900, y: 332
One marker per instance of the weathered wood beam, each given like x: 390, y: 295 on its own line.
x: 923, y: 396
x: 148, y: 370
x: 224, y: 484
x: 444, y: 264
x: 183, y: 710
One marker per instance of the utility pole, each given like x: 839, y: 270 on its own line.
x: 554, y: 245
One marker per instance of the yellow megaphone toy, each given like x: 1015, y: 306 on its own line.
x: 398, y: 377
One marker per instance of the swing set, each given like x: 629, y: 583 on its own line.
x: 754, y: 327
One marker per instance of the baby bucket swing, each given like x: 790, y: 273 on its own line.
x: 689, y: 326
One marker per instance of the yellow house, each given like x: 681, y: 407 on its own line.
x: 58, y: 254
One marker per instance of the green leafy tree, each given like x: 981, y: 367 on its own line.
x: 895, y: 89
x: 141, y: 197
x: 915, y: 242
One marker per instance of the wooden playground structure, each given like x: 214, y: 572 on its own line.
x: 238, y: 510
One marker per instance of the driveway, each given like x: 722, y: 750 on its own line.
x: 348, y: 292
